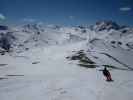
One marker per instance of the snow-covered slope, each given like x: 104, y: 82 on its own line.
x: 52, y: 77
x: 37, y: 68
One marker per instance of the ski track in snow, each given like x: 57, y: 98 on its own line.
x: 56, y: 78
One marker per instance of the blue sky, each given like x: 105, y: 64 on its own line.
x: 66, y: 12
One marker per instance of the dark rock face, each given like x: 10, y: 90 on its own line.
x: 81, y: 27
x: 6, y: 40
x: 31, y: 27
x: 5, y: 44
x: 130, y: 45
x: 83, y: 60
x: 3, y: 27
x: 106, y: 25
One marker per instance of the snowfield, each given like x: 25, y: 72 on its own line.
x: 45, y: 74
x: 39, y: 66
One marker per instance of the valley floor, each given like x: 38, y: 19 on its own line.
x: 45, y: 74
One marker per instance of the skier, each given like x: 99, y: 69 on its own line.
x: 107, y: 74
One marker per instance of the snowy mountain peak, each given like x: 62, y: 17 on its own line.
x: 37, y: 27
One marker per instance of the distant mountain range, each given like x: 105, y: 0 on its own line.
x: 34, y: 35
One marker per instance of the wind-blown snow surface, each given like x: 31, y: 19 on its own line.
x: 38, y: 69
